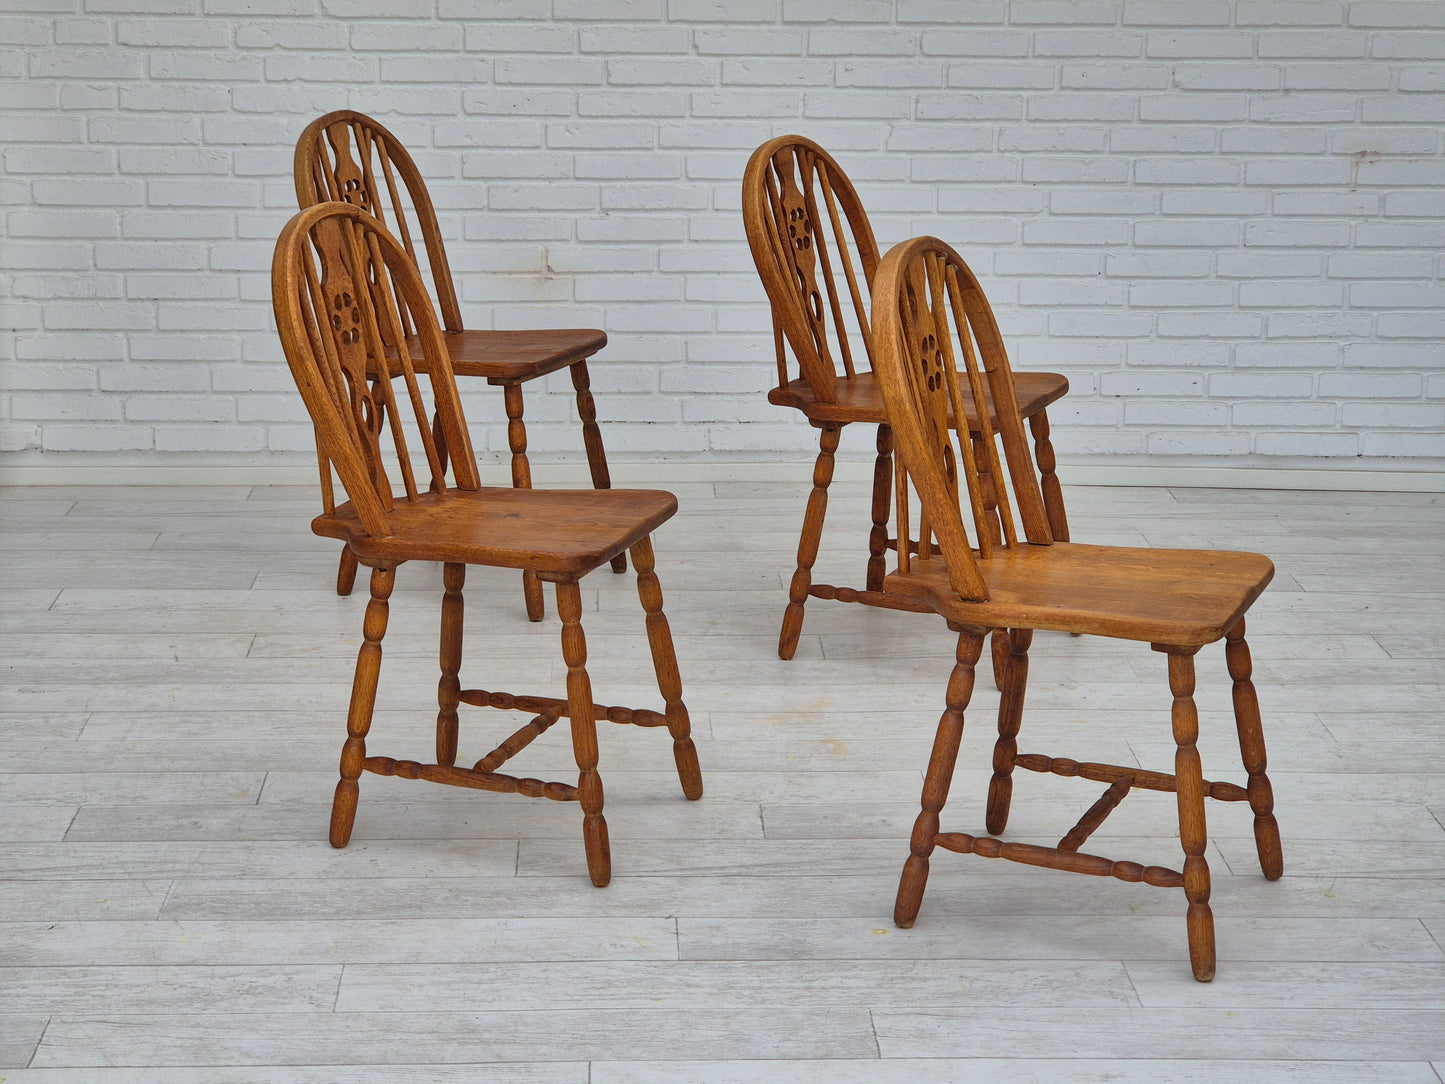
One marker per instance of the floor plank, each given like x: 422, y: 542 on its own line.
x: 174, y: 674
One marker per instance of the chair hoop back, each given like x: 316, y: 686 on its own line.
x: 341, y: 287
x: 935, y: 332
x: 806, y: 227
x: 348, y: 156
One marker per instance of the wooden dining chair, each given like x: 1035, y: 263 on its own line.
x: 937, y: 341
x: 350, y: 157
x: 341, y: 288
x: 814, y: 249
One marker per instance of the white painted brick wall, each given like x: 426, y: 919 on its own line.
x: 1223, y: 220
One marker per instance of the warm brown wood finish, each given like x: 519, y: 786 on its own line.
x: 987, y: 559
x: 343, y: 288
x: 348, y: 156
x: 816, y: 254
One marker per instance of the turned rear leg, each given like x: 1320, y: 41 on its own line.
x: 1010, y: 715
x: 592, y: 440
x: 521, y: 479
x: 664, y: 663
x: 808, y: 543
x: 1251, y: 748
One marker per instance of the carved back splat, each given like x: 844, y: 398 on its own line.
x: 349, y: 157
x: 341, y: 285
x: 816, y: 255
x: 936, y: 330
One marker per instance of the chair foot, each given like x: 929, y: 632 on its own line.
x: 599, y: 850
x: 791, y: 631
x: 910, y: 892
x: 343, y: 811
x: 1200, y: 921
x: 346, y: 572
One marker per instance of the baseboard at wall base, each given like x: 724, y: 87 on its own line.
x: 624, y: 473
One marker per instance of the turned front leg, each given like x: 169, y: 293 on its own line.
x: 808, y: 543
x: 521, y: 479
x: 1193, y: 836
x: 664, y: 663
x: 1251, y: 749
x: 363, y: 702
x: 584, y: 734
x: 938, y: 778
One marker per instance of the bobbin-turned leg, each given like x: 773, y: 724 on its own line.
x: 939, y: 776
x: 664, y: 663
x: 363, y: 700
x: 1015, y: 673
x: 592, y: 440
x: 521, y: 479
x: 1193, y: 836
x: 1251, y: 749
x: 882, y: 502
x: 584, y: 734
x: 449, y: 687
x: 808, y: 543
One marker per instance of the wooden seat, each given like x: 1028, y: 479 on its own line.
x: 348, y: 156
x: 815, y: 252
x: 342, y: 287
x: 935, y: 337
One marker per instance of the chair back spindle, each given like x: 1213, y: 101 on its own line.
x: 342, y: 286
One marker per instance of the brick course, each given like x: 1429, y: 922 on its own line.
x: 1223, y: 220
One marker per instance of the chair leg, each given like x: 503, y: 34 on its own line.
x: 521, y: 479
x: 1251, y: 748
x: 882, y: 500
x: 363, y: 700
x: 1193, y: 836
x: 592, y: 440
x: 346, y: 572
x: 449, y: 687
x: 1010, y: 716
x: 1048, y: 480
x: 938, y: 778
x: 808, y: 543
x: 998, y: 651
x: 664, y: 663
x: 584, y: 734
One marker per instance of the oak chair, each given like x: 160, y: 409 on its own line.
x: 936, y: 336
x: 350, y: 157
x: 341, y: 288
x: 816, y: 254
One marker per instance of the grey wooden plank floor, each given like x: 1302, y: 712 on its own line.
x: 176, y: 671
